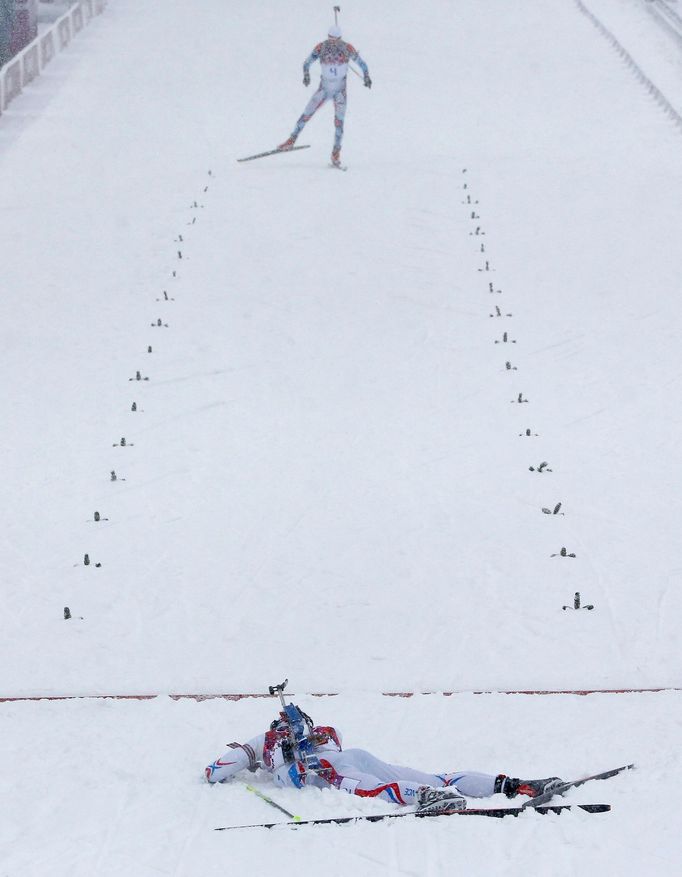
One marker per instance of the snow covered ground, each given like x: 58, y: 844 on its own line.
x: 651, y: 32
x: 328, y: 473
x: 112, y: 787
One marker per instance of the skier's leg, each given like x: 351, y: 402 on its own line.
x: 482, y: 785
x: 470, y: 783
x: 339, y: 119
x: 311, y: 108
x: 366, y: 762
x: 365, y: 785
x: 398, y: 792
x: 351, y: 780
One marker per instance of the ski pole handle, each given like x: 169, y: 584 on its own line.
x: 279, y: 690
x: 275, y: 690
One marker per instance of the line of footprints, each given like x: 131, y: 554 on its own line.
x: 506, y: 339
x: 140, y: 376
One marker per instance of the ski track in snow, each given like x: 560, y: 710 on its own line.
x: 328, y: 474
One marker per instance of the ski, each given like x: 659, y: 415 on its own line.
x: 495, y: 812
x: 338, y: 167
x: 272, y: 152
x: 573, y: 784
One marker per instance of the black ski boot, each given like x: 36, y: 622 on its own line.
x: 512, y: 786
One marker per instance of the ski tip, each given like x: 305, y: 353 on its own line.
x: 562, y: 808
x: 276, y: 151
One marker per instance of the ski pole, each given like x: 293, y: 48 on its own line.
x: 337, y: 9
x: 279, y: 690
x: 297, y: 753
x: 272, y: 803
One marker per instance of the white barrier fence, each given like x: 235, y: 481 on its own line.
x: 29, y: 63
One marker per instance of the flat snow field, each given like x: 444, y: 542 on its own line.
x: 357, y: 394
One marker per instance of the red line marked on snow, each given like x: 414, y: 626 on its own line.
x: 580, y: 691
x: 200, y: 697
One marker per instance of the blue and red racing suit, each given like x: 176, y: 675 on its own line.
x: 334, y: 56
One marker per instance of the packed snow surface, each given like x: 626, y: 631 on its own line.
x: 357, y: 394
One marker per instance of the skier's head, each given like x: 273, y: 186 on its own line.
x: 334, y: 32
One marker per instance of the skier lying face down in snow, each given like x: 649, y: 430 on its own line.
x: 313, y: 756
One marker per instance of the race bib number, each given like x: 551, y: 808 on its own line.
x: 335, y: 71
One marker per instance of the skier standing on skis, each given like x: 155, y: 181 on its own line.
x: 334, y: 56
x: 313, y: 755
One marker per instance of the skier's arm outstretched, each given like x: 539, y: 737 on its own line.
x: 239, y: 756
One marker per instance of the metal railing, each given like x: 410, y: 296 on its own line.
x: 29, y: 62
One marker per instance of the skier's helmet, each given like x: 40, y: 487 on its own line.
x: 334, y: 32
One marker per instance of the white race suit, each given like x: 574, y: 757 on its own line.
x: 352, y: 770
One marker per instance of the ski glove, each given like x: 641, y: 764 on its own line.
x: 306, y: 77
x: 368, y: 81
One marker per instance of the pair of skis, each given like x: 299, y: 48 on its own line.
x: 339, y: 166
x: 496, y: 812
x: 539, y: 804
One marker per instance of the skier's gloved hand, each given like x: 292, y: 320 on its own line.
x: 368, y: 81
x: 306, y: 77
